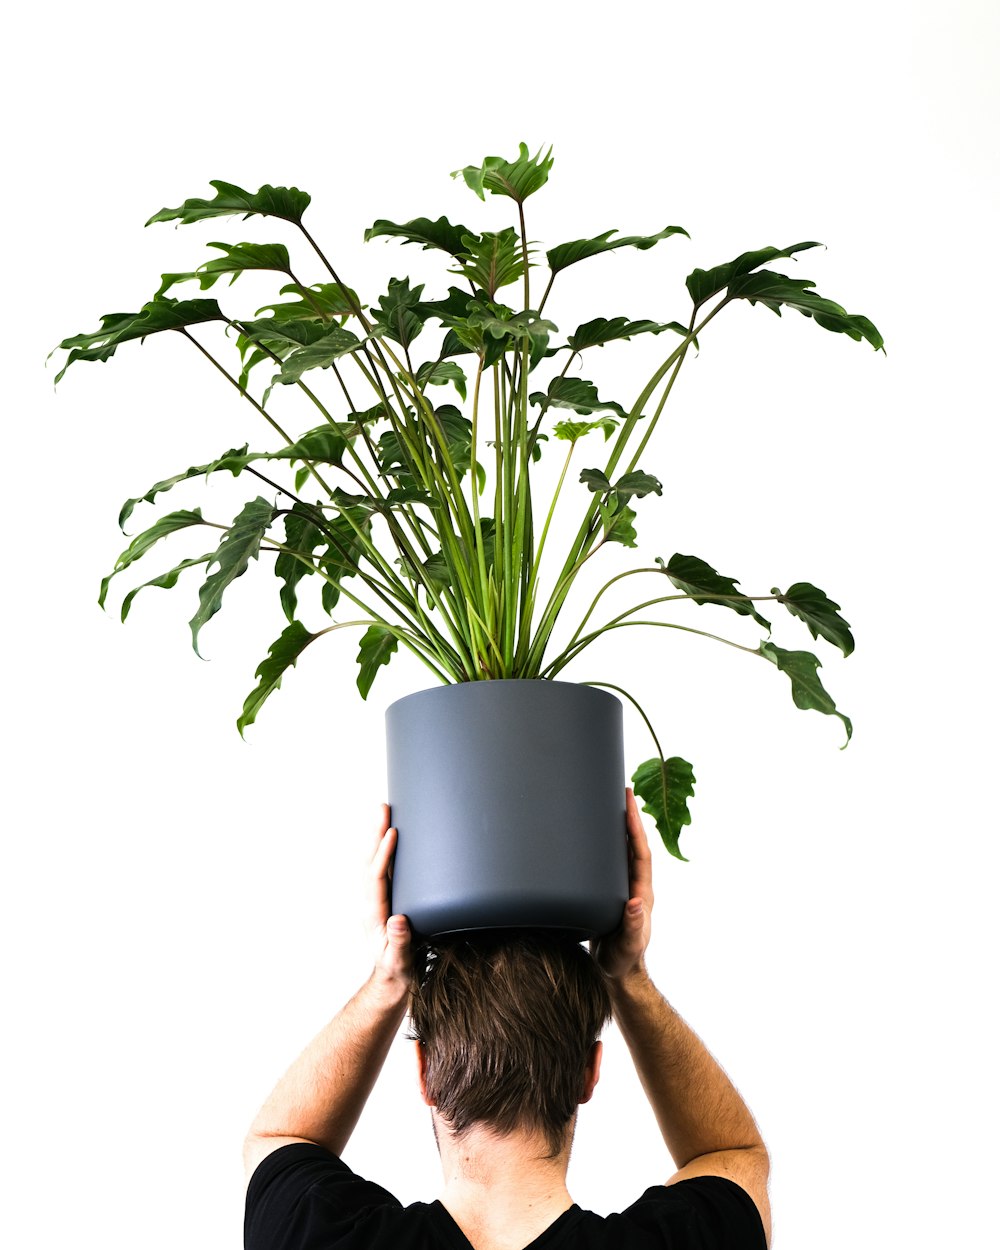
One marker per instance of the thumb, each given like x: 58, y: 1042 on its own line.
x: 398, y: 930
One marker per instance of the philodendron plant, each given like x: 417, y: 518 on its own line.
x: 418, y: 510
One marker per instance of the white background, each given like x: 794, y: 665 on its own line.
x: 181, y: 910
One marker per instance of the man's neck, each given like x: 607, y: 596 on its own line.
x: 502, y: 1191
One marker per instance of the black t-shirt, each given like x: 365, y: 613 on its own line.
x: 302, y: 1197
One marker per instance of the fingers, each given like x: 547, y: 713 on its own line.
x: 383, y: 825
x: 381, y: 874
x: 640, y: 858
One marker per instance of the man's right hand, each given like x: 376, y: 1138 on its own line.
x: 622, y: 952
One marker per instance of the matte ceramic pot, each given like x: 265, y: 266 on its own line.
x: 509, y: 799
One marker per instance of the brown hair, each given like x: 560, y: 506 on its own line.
x: 507, y: 1022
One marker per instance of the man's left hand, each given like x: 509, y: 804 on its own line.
x: 390, y: 934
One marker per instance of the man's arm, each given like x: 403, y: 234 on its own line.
x: 706, y: 1125
x: 321, y: 1096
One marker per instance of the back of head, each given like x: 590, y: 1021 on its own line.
x: 507, y: 1022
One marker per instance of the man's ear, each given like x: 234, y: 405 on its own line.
x: 593, y: 1072
x: 422, y: 1074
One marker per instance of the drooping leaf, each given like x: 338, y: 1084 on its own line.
x: 601, y: 330
x: 139, y: 545
x: 491, y: 261
x: 576, y: 394
x: 116, y: 328
x: 281, y: 656
x: 238, y: 259
x: 234, y: 460
x: 454, y: 307
x: 440, y: 234
x: 665, y: 787
x: 631, y: 485
x: 807, y: 689
x: 378, y: 646
x: 702, y: 284
x: 303, y: 534
x: 399, y: 312
x: 516, y: 179
x: 288, y: 203
x: 567, y: 254
x: 270, y: 338
x: 166, y: 580
x: 323, y: 300
x: 699, y: 580
x: 498, y: 329
x: 348, y: 533
x: 240, y: 544
x: 440, y: 373
x: 776, y: 291
x: 820, y: 613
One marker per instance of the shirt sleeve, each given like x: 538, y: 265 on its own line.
x: 703, y: 1213
x: 302, y: 1197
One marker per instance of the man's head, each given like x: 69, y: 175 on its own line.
x: 508, y: 1026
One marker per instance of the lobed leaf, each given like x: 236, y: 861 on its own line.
x: 166, y: 580
x: 601, y: 330
x: 324, y: 300
x: 702, y: 284
x: 576, y: 394
x: 139, y: 545
x: 704, y: 585
x: 516, y: 179
x: 491, y: 260
x: 440, y: 234
x: 440, y: 373
x: 234, y: 460
x: 116, y: 328
x: 240, y: 544
x: 399, y: 312
x: 320, y: 354
x: 665, y: 787
x: 238, y: 258
x: 378, y: 645
x: 617, y: 518
x: 303, y: 534
x: 281, y: 656
x: 775, y: 291
x: 820, y: 613
x: 566, y: 254
x: 807, y: 689
x: 572, y: 431
x: 288, y: 203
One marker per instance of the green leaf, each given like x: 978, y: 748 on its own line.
x: 491, y: 261
x: 288, y: 203
x: 699, y: 580
x: 235, y: 460
x: 617, y: 519
x: 117, y: 328
x: 440, y: 234
x: 516, y: 179
x: 323, y: 300
x: 807, y: 689
x: 570, y: 431
x: 702, y: 284
x: 238, y: 259
x: 377, y: 648
x: 637, y: 485
x: 567, y: 254
x: 775, y: 290
x: 600, y: 331
x: 440, y: 373
x: 166, y: 580
x: 577, y: 395
x: 321, y: 354
x: 240, y: 544
x: 399, y: 312
x: 820, y: 613
x: 148, y: 538
x: 345, y: 551
x: 665, y: 787
x: 596, y: 480
x: 281, y: 656
x: 302, y: 533
x: 437, y: 570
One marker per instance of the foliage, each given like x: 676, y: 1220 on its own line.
x: 420, y: 513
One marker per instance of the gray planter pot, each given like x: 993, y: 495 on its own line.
x: 509, y: 799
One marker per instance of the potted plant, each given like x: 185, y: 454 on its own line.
x: 409, y: 498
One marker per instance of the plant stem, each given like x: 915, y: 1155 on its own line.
x: 561, y: 661
x: 638, y: 707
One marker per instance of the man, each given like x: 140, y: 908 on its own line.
x: 507, y: 1044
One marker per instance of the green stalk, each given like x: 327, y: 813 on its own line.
x: 560, y: 663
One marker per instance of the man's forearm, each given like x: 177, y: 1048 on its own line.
x: 323, y: 1093
x: 696, y: 1106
